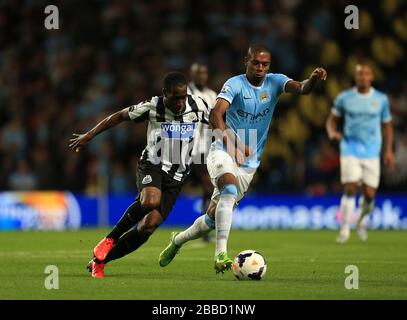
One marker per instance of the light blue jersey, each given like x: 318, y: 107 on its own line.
x: 363, y: 115
x: 251, y: 108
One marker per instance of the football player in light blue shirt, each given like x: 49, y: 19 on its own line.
x: 364, y: 110
x: 250, y: 110
x: 247, y: 102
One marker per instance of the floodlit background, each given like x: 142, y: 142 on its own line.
x: 111, y: 54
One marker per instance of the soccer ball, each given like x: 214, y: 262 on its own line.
x: 249, y: 265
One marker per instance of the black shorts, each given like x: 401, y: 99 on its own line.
x: 151, y: 175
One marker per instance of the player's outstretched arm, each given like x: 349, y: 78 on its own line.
x: 331, y: 126
x: 78, y: 141
x: 306, y: 86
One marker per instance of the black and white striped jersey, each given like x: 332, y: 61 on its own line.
x: 170, y: 137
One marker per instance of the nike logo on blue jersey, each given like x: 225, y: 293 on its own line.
x: 246, y: 97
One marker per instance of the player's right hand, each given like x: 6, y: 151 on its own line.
x: 240, y: 156
x: 248, y: 152
x: 79, y: 141
x: 389, y: 160
x: 335, y: 135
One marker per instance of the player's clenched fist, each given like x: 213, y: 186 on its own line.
x: 319, y: 74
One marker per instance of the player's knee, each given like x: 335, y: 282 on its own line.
x: 369, y: 196
x: 150, y: 203
x: 350, y: 190
x: 226, y: 179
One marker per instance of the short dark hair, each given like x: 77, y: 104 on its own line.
x: 257, y: 48
x: 173, y: 79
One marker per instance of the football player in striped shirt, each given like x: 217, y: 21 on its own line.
x: 173, y: 120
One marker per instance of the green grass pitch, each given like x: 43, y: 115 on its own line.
x: 301, y: 265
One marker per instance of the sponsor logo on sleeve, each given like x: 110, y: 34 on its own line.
x: 225, y: 89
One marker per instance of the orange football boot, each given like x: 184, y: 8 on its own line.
x: 103, y: 248
x: 98, y: 270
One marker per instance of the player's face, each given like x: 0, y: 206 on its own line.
x: 175, y: 99
x: 363, y: 76
x: 257, y: 65
x: 200, y: 76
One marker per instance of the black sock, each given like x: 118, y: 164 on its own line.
x: 133, y: 214
x: 128, y: 243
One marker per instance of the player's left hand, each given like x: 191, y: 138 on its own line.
x: 79, y: 141
x: 319, y: 74
x: 389, y: 160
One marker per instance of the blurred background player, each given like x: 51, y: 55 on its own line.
x: 366, y: 115
x: 160, y: 173
x: 199, y: 76
x: 198, y: 85
x: 248, y: 102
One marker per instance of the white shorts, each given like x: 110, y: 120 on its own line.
x: 220, y: 162
x: 359, y: 170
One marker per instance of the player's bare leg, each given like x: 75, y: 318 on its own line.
x: 348, y: 205
x: 366, y: 206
